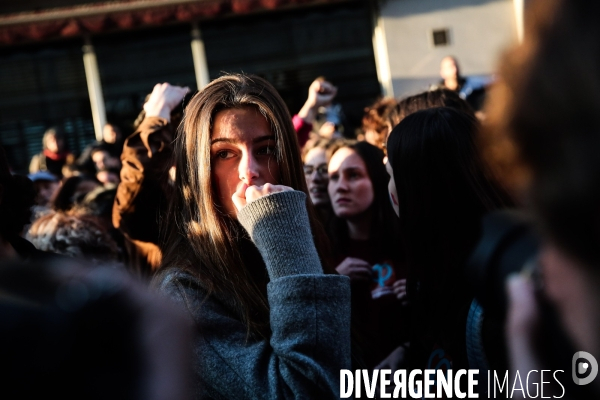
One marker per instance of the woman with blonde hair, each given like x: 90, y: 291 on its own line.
x: 54, y: 156
x: 242, y: 253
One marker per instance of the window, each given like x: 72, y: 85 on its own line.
x: 441, y: 37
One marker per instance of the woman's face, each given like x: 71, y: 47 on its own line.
x: 53, y: 144
x: 350, y: 188
x: 110, y: 134
x: 242, y: 151
x: 448, y: 68
x: 392, y: 188
x: 315, y: 171
x: 100, y: 157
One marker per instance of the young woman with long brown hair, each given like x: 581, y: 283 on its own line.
x: 242, y: 252
x: 363, y: 232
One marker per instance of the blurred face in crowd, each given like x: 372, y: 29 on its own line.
x: 108, y: 177
x: 350, y: 188
x: 110, y: 134
x: 315, y: 170
x: 53, y: 144
x: 45, y: 190
x: 392, y: 188
x: 100, y: 158
x: 448, y: 68
x: 242, y: 151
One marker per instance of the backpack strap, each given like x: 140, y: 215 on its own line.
x: 475, y: 350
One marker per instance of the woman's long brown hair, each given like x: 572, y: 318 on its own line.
x: 200, y: 237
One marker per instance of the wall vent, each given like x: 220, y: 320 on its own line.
x: 441, y: 37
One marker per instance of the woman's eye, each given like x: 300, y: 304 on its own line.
x: 334, y: 177
x: 267, y: 150
x: 224, y: 154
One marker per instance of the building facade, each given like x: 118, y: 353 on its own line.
x: 417, y: 34
x: 78, y: 63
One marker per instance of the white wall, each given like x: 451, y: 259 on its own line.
x: 479, y: 31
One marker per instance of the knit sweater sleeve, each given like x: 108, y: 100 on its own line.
x: 309, y: 316
x: 279, y: 227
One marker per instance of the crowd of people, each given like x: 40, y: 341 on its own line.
x: 282, y: 251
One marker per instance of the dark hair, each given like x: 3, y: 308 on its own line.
x: 429, y: 99
x: 329, y: 145
x: 17, y: 196
x: 440, y: 182
x: 443, y: 191
x: 376, y: 117
x: 65, y: 198
x: 99, y: 202
x: 544, y: 136
x: 384, y: 226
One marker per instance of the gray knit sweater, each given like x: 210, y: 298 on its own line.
x: 309, y: 315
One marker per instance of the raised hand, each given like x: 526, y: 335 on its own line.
x: 245, y: 194
x: 320, y: 93
x: 163, y: 99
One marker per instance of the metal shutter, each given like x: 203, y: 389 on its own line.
x: 42, y: 86
x: 131, y: 63
x: 292, y: 48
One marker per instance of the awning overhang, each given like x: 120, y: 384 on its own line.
x: 125, y: 14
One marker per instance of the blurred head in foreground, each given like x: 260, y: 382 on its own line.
x: 76, y: 332
x: 544, y: 139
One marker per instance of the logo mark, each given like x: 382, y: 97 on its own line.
x: 582, y: 363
